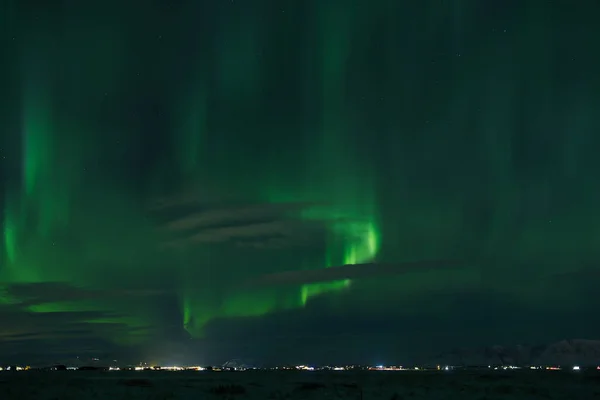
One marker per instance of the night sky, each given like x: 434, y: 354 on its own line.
x: 179, y: 180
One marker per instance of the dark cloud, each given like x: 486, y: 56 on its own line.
x: 232, y: 215
x: 234, y: 233
x: 257, y: 225
x: 27, y: 294
x: 20, y: 324
x: 353, y: 271
x: 24, y: 328
x: 269, y: 242
x: 40, y: 338
x: 585, y: 273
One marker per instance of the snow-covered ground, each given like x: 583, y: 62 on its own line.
x: 265, y: 385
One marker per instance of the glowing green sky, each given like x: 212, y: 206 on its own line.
x: 156, y: 158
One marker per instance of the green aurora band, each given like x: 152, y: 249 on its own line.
x: 323, y: 109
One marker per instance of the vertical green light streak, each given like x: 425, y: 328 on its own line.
x: 10, y: 233
x: 351, y: 219
x: 356, y: 242
x: 36, y: 141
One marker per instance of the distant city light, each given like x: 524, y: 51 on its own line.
x: 172, y: 368
x: 301, y: 367
x: 386, y: 368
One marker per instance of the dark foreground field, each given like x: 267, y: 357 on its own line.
x: 264, y: 385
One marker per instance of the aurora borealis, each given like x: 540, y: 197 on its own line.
x: 161, y: 161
